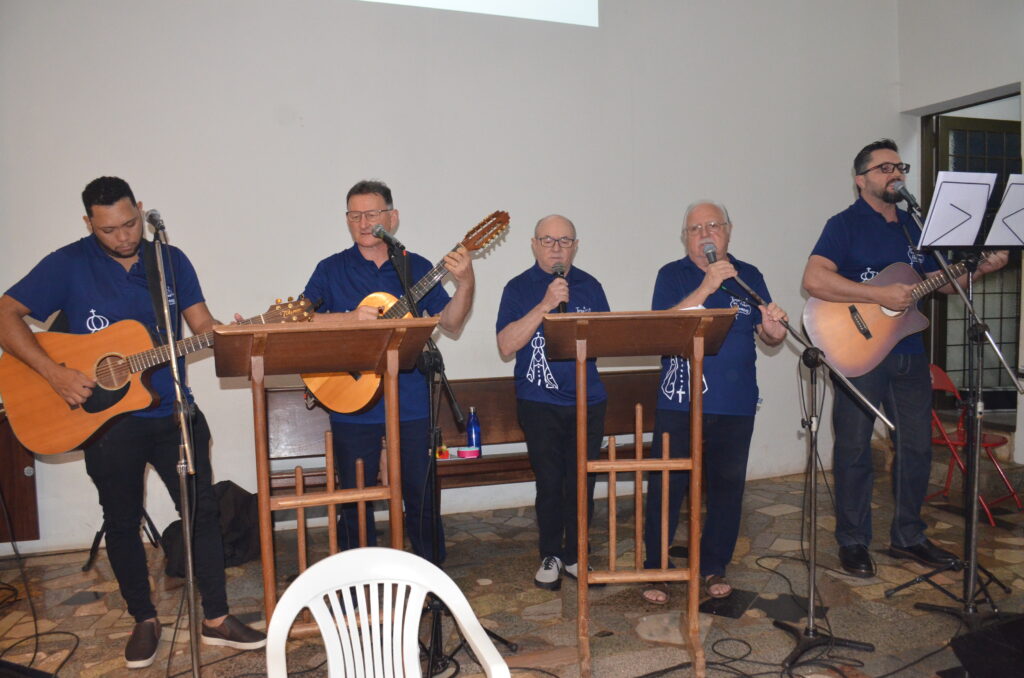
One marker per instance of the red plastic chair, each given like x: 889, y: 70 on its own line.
x: 956, y: 440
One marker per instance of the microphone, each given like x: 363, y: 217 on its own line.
x: 711, y: 254
x: 559, y: 271
x: 901, y: 190
x: 154, y: 219
x: 381, y: 233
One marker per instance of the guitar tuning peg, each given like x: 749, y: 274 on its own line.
x: 277, y: 301
x: 291, y: 298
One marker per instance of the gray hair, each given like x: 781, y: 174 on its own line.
x: 694, y: 205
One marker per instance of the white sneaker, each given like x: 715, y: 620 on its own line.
x: 572, y: 570
x: 549, y: 576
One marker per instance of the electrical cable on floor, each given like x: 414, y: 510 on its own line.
x: 36, y: 635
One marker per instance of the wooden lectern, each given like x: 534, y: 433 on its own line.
x: 255, y: 351
x: 692, y: 334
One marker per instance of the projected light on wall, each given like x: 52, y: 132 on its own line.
x: 581, y: 12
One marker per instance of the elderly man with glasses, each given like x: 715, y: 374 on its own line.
x: 705, y: 278
x: 855, y: 245
x: 343, y: 281
x: 546, y: 390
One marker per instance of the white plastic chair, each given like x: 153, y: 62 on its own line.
x: 390, y: 587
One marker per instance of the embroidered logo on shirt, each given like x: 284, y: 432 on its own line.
x: 868, y: 274
x: 95, y: 323
x: 677, y: 379
x: 171, y: 300
x: 914, y: 257
x: 582, y: 309
x: 538, y: 370
x: 742, y: 307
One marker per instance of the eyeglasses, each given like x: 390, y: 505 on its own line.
x: 355, y: 217
x: 564, y: 242
x: 709, y: 228
x: 888, y: 168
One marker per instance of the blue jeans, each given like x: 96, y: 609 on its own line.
x: 902, y: 385
x: 363, y: 441
x: 726, y: 449
x: 551, y: 445
x: 116, y: 462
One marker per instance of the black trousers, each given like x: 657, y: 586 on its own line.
x: 551, y: 445
x: 116, y: 462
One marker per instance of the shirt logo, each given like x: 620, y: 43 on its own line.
x: 677, y: 379
x: 868, y: 274
x: 538, y: 372
x: 742, y: 307
x: 913, y: 256
x: 94, y: 323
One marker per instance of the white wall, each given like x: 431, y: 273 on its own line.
x: 245, y: 123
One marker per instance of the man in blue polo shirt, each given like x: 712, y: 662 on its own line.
x: 546, y: 390
x: 730, y: 393
x: 342, y: 281
x: 97, y: 281
x: 855, y: 245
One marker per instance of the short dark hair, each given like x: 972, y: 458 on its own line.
x: 105, y: 191
x: 371, y: 187
x: 860, y: 162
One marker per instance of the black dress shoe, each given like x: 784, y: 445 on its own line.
x: 925, y: 553
x: 857, y: 561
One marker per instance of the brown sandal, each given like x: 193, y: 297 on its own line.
x: 713, y: 581
x: 656, y: 594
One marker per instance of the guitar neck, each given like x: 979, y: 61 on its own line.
x: 140, y: 362
x: 933, y: 283
x: 425, y: 284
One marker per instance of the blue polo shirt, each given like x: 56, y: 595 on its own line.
x: 860, y: 242
x: 95, y: 291
x: 342, y: 281
x: 537, y: 378
x: 730, y: 376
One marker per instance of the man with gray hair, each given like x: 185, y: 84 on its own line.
x: 705, y: 278
x: 546, y: 390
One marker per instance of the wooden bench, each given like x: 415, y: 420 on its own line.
x: 298, y: 432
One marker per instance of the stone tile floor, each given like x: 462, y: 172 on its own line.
x: 492, y: 556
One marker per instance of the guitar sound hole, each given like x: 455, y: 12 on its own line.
x: 112, y: 372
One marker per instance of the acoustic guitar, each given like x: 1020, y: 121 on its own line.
x: 119, y: 359
x: 349, y: 392
x: 856, y: 336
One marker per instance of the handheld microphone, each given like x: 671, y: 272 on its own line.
x: 381, y: 233
x: 153, y: 219
x: 901, y: 190
x: 711, y: 254
x: 559, y: 271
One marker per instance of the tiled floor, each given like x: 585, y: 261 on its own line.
x: 492, y: 556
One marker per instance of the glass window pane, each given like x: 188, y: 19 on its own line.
x: 995, y: 143
x: 958, y: 142
x: 976, y: 143
x: 1012, y: 148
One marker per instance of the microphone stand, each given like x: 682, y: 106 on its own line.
x: 972, y: 586
x: 186, y: 456
x: 432, y: 364
x: 811, y: 637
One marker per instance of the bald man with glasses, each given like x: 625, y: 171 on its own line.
x: 546, y: 390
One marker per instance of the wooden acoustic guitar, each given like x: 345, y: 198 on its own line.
x: 349, y: 392
x: 118, y: 358
x: 856, y: 336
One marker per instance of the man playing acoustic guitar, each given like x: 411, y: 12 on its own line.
x: 97, y: 281
x: 343, y: 281
x: 855, y: 245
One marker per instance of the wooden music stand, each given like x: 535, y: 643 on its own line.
x: 692, y: 334
x: 381, y: 346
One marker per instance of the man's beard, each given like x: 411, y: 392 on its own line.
x: 891, y: 197
x: 118, y: 255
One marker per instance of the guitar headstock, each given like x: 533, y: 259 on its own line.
x: 484, y: 233
x: 290, y: 311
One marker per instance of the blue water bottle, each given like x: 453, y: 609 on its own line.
x: 473, y: 431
